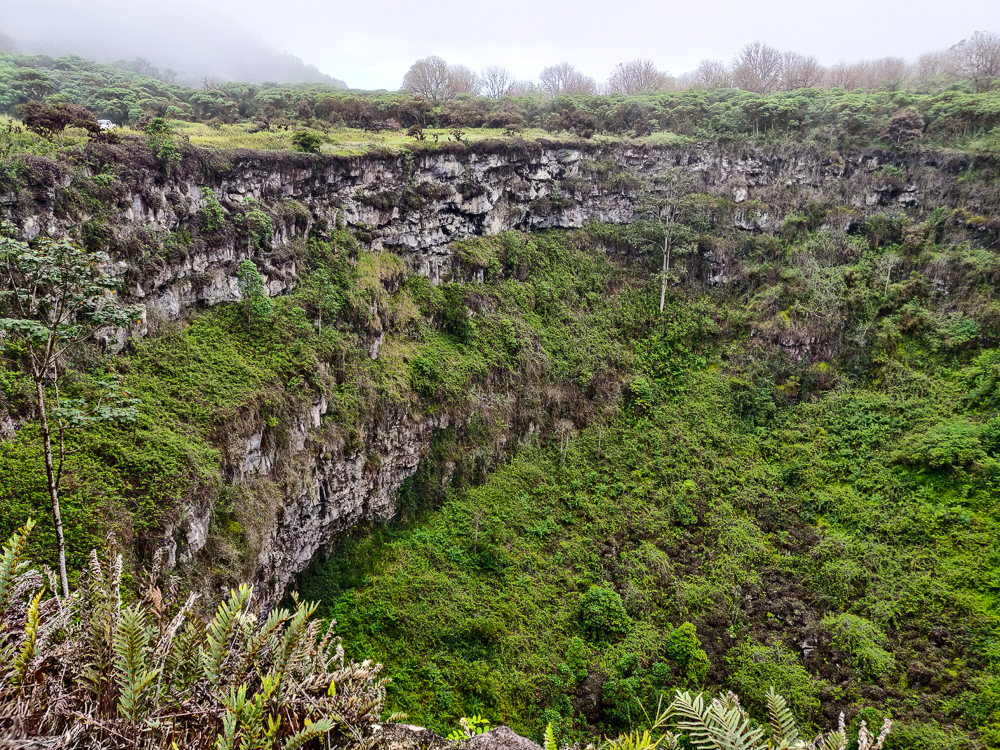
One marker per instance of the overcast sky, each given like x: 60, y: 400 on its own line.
x: 372, y: 44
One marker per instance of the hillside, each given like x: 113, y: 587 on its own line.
x: 443, y: 400
x: 184, y: 42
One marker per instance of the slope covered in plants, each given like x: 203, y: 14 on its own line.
x: 798, y: 488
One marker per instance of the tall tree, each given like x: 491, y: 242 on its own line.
x: 889, y: 73
x: 757, y: 68
x: 636, y: 76
x: 565, y: 79
x: 462, y: 80
x: 800, y: 72
x: 54, y: 297
x: 980, y: 57
x: 661, y: 209
x: 712, y: 74
x: 429, y: 77
x: 495, y: 81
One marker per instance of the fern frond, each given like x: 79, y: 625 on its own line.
x: 27, y: 653
x: 96, y: 571
x: 162, y: 650
x: 550, y: 739
x: 835, y: 740
x: 715, y: 727
x: 310, y: 732
x: 219, y: 629
x: 132, y: 674
x: 868, y: 741
x: 12, y: 563
x: 295, y: 646
x: 258, y: 641
x: 783, y: 729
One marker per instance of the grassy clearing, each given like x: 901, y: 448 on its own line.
x: 354, y: 140
x: 335, y: 141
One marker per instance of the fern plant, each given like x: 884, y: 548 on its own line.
x: 86, y: 672
x: 469, y: 727
x: 722, y: 724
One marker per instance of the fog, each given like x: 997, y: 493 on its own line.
x: 371, y: 45
x: 192, y: 39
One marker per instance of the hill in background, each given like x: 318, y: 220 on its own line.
x: 185, y: 43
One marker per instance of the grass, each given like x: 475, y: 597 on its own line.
x: 336, y: 141
x: 353, y: 140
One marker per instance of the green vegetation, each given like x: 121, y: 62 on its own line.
x: 239, y: 115
x: 740, y: 500
x: 655, y: 477
x: 86, y: 669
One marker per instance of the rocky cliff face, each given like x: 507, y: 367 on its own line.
x: 415, y: 206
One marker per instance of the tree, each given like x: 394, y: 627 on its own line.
x: 757, y: 68
x: 462, y: 80
x: 523, y: 88
x: 495, y: 82
x: 429, y: 77
x: 980, y: 59
x: 33, y: 84
x: 800, y: 72
x: 160, y: 138
x: 889, y: 73
x: 55, y: 297
x: 712, y: 74
x: 565, y: 79
x: 49, y: 121
x: 661, y: 205
x: 252, y: 292
x: 847, y: 76
x: 636, y: 76
x: 935, y: 70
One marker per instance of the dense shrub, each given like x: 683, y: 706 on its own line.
x: 603, y: 614
x: 684, y: 648
x: 755, y: 668
x: 863, y: 642
x: 951, y: 444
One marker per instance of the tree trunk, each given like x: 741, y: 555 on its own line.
x: 50, y: 475
x: 666, y: 267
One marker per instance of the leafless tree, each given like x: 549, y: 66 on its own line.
x: 757, y: 68
x: 565, y: 79
x: 800, y: 72
x: 935, y: 70
x: 889, y: 73
x: 429, y: 77
x: 462, y: 80
x: 712, y: 74
x: 636, y: 76
x: 980, y: 59
x: 847, y: 76
x: 523, y: 88
x: 495, y: 82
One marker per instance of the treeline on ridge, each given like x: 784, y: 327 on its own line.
x: 762, y: 95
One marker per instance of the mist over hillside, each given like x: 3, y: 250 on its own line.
x: 191, y: 42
